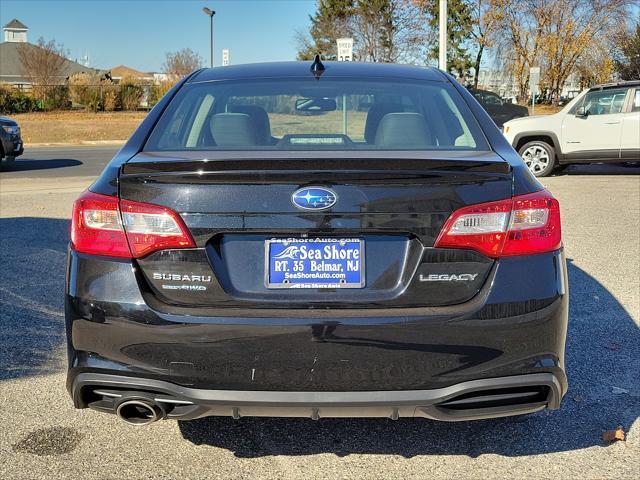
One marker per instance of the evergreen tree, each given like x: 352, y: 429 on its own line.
x: 330, y: 22
x: 382, y: 30
x: 460, y: 23
x: 627, y: 57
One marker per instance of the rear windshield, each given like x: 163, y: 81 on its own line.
x: 310, y: 114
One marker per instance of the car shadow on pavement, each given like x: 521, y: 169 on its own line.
x: 25, y: 164
x: 599, y: 169
x: 603, y: 358
x: 31, y: 296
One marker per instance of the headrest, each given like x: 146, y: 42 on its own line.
x: 260, y: 120
x: 233, y: 130
x: 375, y: 114
x: 403, y: 130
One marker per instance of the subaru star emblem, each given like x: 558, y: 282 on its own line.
x: 314, y: 198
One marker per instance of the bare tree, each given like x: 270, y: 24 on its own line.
x: 595, y: 66
x: 373, y: 31
x: 521, y: 24
x: 554, y: 35
x: 304, y: 45
x: 576, y: 28
x: 625, y: 45
x: 181, y: 63
x: 390, y: 31
x: 43, y: 64
x: 382, y: 30
x: 412, y: 35
x: 483, y: 32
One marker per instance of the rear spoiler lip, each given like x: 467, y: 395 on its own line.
x: 265, y: 162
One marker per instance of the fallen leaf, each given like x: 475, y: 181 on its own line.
x: 613, y: 435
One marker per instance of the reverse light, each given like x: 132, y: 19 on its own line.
x: 103, y: 226
x: 151, y: 228
x: 522, y: 225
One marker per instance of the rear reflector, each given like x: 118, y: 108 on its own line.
x: 102, y: 226
x: 522, y: 225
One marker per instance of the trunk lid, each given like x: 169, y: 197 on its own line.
x: 233, y: 202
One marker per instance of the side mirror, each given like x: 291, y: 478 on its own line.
x: 581, y: 112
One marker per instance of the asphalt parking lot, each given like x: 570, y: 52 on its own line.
x: 44, y: 437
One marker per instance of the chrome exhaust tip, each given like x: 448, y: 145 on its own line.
x: 138, y: 412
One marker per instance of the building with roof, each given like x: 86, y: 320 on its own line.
x: 15, y: 31
x: 11, y: 70
x: 122, y: 71
x: 504, y: 83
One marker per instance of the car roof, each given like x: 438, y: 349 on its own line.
x: 626, y: 83
x: 332, y: 70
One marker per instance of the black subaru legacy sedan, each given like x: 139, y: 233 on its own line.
x: 316, y: 240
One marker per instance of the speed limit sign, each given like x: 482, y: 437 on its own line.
x: 345, y: 49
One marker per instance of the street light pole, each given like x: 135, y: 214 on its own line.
x: 442, y: 33
x: 210, y: 13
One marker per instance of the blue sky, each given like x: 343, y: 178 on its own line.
x: 138, y: 33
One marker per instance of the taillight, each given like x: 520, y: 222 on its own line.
x: 103, y: 226
x: 96, y: 227
x: 151, y: 227
x: 522, y: 225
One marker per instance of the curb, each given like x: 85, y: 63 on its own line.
x: 94, y: 143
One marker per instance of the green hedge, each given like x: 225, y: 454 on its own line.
x: 13, y: 101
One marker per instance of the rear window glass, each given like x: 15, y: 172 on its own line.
x: 309, y: 114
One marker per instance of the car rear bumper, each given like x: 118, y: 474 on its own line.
x: 471, y: 400
x: 334, y: 362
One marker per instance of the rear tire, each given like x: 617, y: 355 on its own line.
x: 539, y: 157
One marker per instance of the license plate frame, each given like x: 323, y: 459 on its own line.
x: 317, y: 283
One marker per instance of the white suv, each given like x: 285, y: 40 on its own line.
x: 602, y: 124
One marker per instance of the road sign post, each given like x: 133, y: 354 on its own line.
x: 534, y: 82
x: 225, y: 57
x: 345, y: 54
x: 442, y: 35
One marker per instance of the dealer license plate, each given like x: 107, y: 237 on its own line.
x: 314, y: 263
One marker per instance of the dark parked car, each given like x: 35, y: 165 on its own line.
x: 498, y: 109
x: 10, y: 140
x: 241, y: 256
